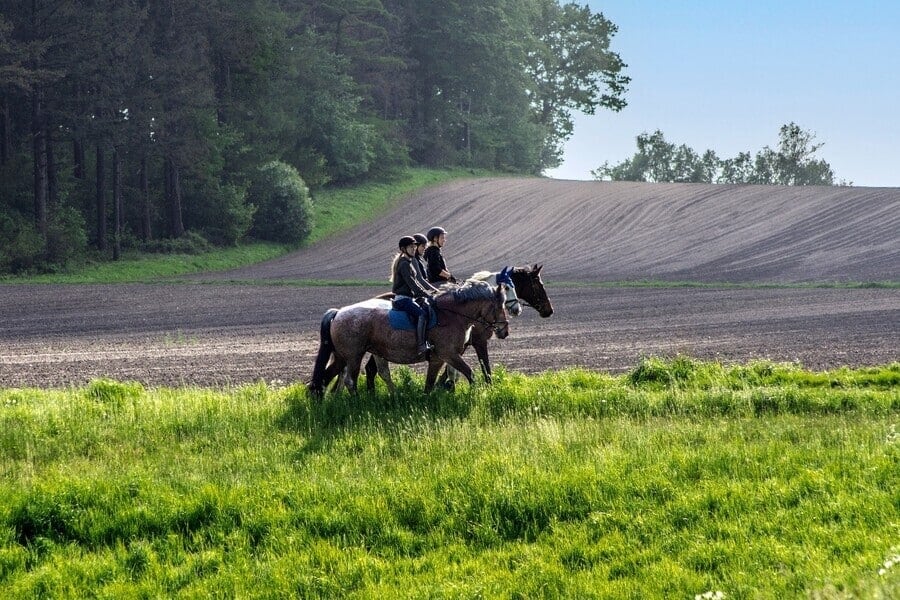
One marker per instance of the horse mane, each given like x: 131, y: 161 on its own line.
x: 468, y: 291
x: 485, y: 275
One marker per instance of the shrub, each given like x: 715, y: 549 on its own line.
x: 283, y: 206
x: 66, y: 236
x: 230, y: 216
x: 189, y: 243
x: 22, y: 244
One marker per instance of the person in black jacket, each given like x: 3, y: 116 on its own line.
x: 436, y: 268
x: 410, y: 295
x: 421, y: 267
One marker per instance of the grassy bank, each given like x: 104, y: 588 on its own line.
x: 334, y: 210
x: 679, y: 479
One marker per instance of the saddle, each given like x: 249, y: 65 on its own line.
x: 403, y: 321
x: 399, y: 319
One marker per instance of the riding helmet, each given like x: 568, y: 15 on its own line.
x: 406, y: 240
x: 434, y: 232
x: 420, y: 239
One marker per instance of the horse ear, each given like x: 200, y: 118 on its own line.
x: 537, y: 268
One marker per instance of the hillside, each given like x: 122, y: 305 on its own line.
x: 614, y: 231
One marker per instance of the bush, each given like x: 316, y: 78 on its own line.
x: 66, y: 236
x: 222, y: 213
x: 189, y: 243
x: 22, y: 245
x: 283, y: 206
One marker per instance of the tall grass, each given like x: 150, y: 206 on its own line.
x: 679, y: 479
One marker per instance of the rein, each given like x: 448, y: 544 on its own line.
x: 484, y: 322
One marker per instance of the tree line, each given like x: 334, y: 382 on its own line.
x: 168, y: 124
x: 793, y: 162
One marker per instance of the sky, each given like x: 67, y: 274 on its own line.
x: 725, y: 76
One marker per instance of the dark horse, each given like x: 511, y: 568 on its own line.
x: 346, y: 334
x: 529, y: 290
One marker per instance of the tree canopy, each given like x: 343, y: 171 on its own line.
x: 131, y: 119
x: 791, y: 163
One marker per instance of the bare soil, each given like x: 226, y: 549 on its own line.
x: 237, y: 327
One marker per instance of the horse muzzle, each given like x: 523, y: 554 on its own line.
x: 501, y: 329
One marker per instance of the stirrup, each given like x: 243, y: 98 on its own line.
x: 424, y: 349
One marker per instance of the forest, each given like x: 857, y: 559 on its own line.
x: 164, y: 126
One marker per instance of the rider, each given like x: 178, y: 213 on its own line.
x: 434, y: 260
x: 421, y: 267
x: 410, y: 295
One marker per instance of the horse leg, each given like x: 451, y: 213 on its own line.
x: 352, y: 373
x: 482, y: 352
x: 340, y: 369
x: 384, y: 370
x: 448, y: 379
x: 372, y: 369
x: 331, y: 372
x: 339, y: 381
x: 431, y: 374
x: 460, y: 365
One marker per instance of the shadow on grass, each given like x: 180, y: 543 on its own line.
x: 335, y: 415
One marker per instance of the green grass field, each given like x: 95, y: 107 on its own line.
x: 680, y: 479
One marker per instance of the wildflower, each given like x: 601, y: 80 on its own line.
x: 889, y: 564
x: 893, y: 435
x: 717, y: 595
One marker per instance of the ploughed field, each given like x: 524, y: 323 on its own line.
x: 251, y: 324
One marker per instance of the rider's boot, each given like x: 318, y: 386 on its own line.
x: 423, y: 344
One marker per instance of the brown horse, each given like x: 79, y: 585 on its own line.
x: 527, y: 288
x: 346, y: 334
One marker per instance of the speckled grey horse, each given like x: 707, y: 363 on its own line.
x: 346, y: 334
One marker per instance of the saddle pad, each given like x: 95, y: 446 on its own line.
x: 401, y: 320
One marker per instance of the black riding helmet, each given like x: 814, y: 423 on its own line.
x: 434, y: 232
x: 420, y: 239
x: 406, y: 240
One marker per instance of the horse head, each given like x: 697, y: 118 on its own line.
x: 499, y: 318
x: 479, y: 302
x: 530, y: 289
x: 512, y: 300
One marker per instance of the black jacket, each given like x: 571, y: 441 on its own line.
x: 434, y: 262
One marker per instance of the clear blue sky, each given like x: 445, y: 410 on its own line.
x: 726, y: 76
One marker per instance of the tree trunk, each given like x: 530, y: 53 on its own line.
x: 101, y: 201
x: 145, y: 200
x: 41, y: 184
x: 117, y: 204
x: 78, y: 158
x: 5, y: 131
x: 52, y: 179
x: 173, y: 198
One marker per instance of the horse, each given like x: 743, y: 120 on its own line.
x: 527, y: 288
x: 346, y: 334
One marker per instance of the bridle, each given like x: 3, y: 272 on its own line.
x: 513, y: 304
x: 540, y: 305
x: 497, y: 325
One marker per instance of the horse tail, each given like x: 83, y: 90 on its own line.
x: 326, y: 349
